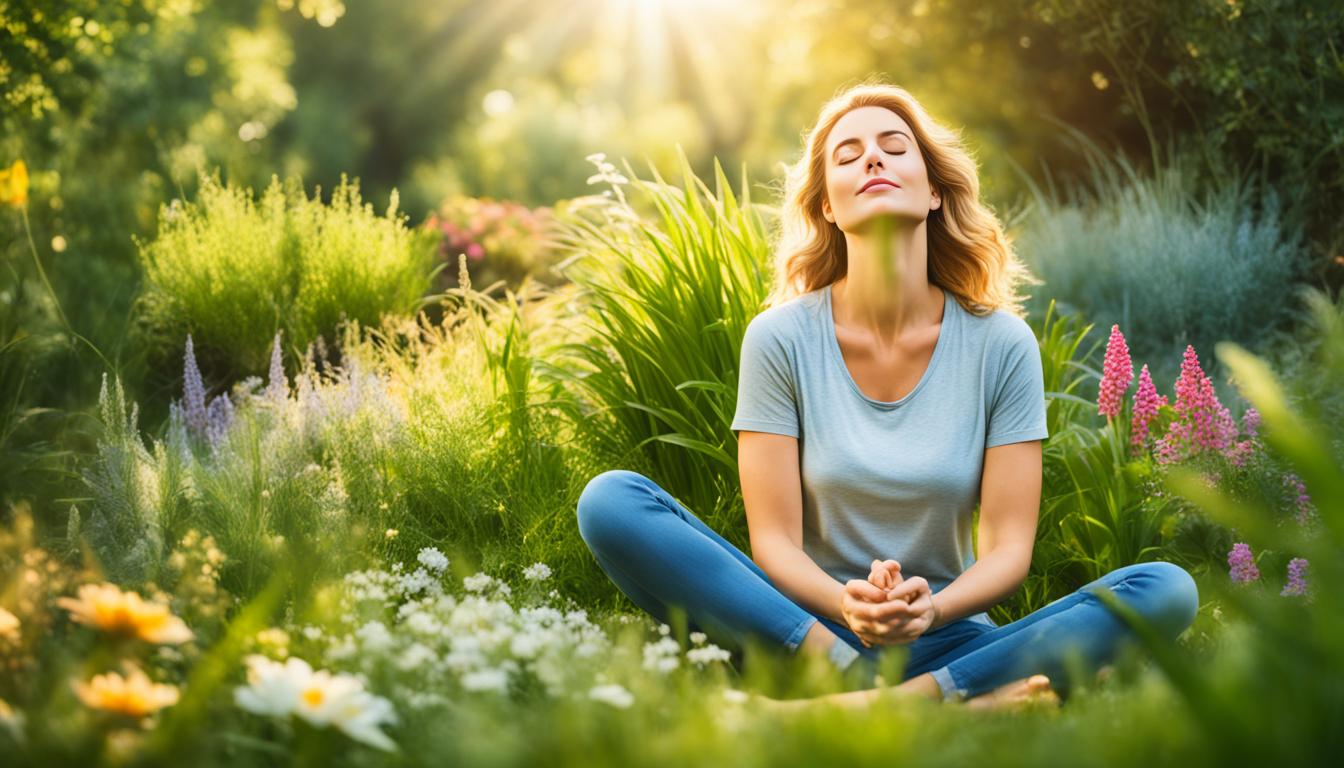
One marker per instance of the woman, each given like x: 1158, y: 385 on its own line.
x: 890, y: 385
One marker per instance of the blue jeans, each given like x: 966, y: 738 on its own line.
x: 660, y: 555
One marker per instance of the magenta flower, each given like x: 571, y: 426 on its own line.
x: 1202, y: 423
x: 1117, y: 373
x: 1242, y: 564
x: 1146, y: 404
x: 1297, y: 577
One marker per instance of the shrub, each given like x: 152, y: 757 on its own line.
x: 232, y: 271
x: 1172, y: 266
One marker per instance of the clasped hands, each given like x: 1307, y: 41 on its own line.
x: 886, y: 609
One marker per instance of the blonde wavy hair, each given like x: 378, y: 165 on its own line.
x: 969, y: 255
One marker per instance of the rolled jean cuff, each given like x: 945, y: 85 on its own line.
x: 795, y: 639
x: 949, y: 686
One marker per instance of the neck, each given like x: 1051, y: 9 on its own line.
x: 886, y: 287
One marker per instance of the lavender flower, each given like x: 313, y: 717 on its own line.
x: 277, y: 388
x: 1301, y: 499
x: 1297, y: 582
x: 219, y: 417
x: 1242, y: 564
x: 193, y: 392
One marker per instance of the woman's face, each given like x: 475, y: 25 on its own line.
x: 869, y: 143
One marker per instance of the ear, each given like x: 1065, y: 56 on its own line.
x: 826, y: 210
x: 936, y: 203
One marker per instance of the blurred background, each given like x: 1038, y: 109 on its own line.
x: 292, y: 289
x: 1175, y: 168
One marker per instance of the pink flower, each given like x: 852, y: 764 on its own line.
x: 1242, y: 564
x: 1202, y: 423
x: 1297, y: 582
x: 1238, y: 452
x: 1146, y: 404
x: 1117, y: 373
x: 1250, y: 422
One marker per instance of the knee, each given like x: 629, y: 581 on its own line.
x: 1175, y: 598
x: 600, y: 507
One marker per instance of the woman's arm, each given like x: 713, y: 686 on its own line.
x: 1010, y: 501
x: 772, y: 493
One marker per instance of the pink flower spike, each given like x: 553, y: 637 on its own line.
x: 1202, y: 423
x: 1146, y: 404
x: 1117, y: 373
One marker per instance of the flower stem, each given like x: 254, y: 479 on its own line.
x: 54, y: 298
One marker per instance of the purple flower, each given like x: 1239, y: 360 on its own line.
x: 1297, y: 581
x: 1250, y: 422
x: 1301, y: 499
x: 1242, y: 564
x: 219, y: 417
x: 193, y: 392
x: 277, y: 388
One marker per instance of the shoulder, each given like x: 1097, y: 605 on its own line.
x: 783, y: 322
x: 1001, y: 326
x: 1003, y: 333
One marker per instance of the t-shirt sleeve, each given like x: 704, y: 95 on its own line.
x: 1017, y: 412
x: 766, y: 392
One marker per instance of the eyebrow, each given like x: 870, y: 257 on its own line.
x: 881, y: 135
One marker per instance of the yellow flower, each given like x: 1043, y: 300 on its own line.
x: 9, y: 625
x: 106, y: 607
x: 134, y: 695
x: 14, y: 184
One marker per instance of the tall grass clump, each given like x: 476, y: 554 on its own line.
x: 670, y: 294
x: 1172, y: 262
x: 232, y: 270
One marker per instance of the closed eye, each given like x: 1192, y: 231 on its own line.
x: 852, y: 159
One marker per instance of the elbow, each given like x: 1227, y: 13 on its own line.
x: 765, y: 553
x: 1018, y: 563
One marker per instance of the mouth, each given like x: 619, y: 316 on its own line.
x: 878, y: 183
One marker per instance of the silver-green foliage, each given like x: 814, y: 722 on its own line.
x: 1170, y: 262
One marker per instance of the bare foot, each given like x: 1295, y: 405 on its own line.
x: 1030, y: 692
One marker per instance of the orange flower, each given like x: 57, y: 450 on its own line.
x: 106, y: 607
x: 134, y: 695
x: 14, y: 184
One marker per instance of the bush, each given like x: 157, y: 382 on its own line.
x: 232, y: 271
x: 1171, y: 265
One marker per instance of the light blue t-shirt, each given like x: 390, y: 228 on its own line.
x: 899, y: 479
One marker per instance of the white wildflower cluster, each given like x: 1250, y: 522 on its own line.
x: 662, y: 655
x: 606, y: 172
x: 537, y: 572
x: 614, y: 694
x: 439, y: 639
x: 433, y: 559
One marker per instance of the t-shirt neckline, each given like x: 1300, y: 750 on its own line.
x: 828, y: 319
